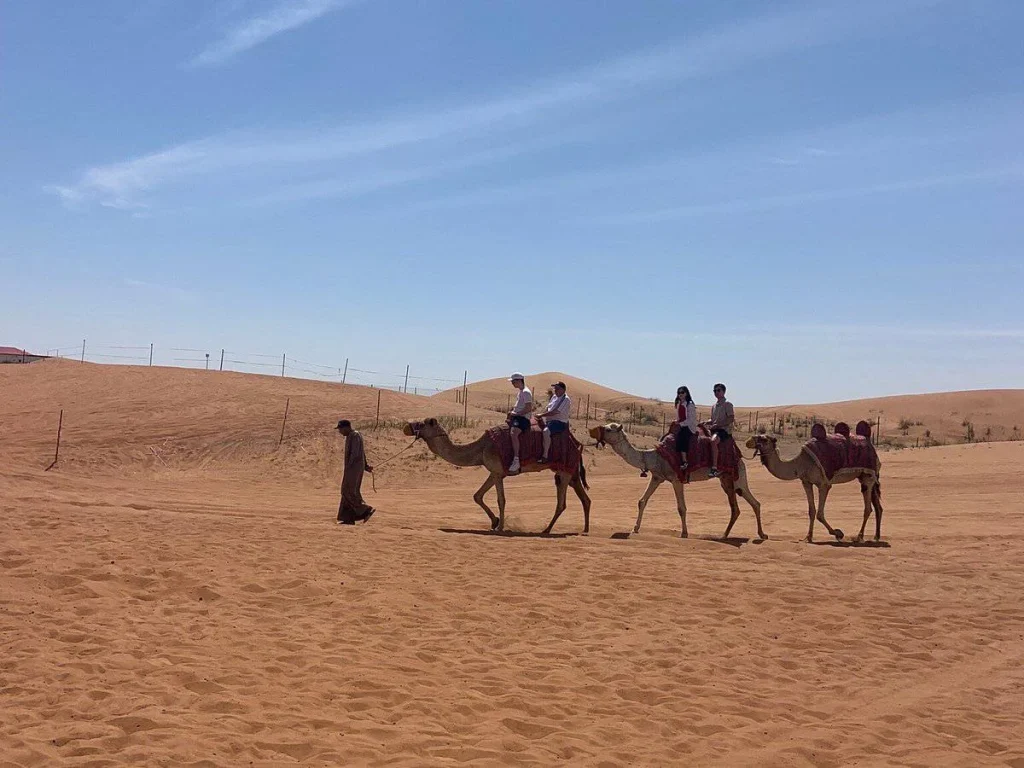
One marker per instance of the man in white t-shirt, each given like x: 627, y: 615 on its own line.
x: 519, y: 416
x: 556, y: 417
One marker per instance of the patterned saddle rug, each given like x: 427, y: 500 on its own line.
x: 699, y: 456
x: 565, y: 456
x: 841, y: 450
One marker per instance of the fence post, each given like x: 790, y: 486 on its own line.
x: 222, y: 359
x: 56, y: 453
x: 345, y: 374
x: 282, y: 363
x: 465, y: 398
x: 83, y: 350
x: 406, y: 390
x: 588, y: 410
x: 207, y: 361
x: 376, y: 420
x: 284, y: 421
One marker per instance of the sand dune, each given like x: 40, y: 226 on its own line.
x: 938, y: 417
x: 210, y: 613
x: 129, y: 419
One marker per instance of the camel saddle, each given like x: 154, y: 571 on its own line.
x: 699, y: 456
x: 565, y: 456
x: 841, y: 450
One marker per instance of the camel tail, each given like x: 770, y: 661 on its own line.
x: 583, y: 475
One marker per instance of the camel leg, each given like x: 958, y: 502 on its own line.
x: 876, y: 500
x: 500, y: 483
x: 867, y: 489
x: 822, y: 496
x: 478, y: 497
x: 581, y: 492
x: 561, y: 482
x: 809, y: 490
x: 734, y: 506
x: 652, y: 486
x: 742, y: 489
x: 680, y: 490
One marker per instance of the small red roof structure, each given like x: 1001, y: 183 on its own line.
x: 13, y: 351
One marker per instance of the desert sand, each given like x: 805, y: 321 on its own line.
x: 176, y: 593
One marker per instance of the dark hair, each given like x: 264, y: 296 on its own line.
x: 559, y: 384
x: 344, y: 423
x: 720, y: 386
x: 686, y: 394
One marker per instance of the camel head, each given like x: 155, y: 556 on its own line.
x: 608, y: 432
x: 762, y: 444
x: 425, y: 429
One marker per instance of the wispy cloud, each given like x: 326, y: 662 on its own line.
x: 568, y: 95
x: 823, y: 195
x: 257, y: 30
x: 810, y: 332
x: 168, y: 291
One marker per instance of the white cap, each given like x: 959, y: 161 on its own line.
x: 516, y: 375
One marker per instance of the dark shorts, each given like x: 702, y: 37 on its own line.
x: 521, y: 423
x: 556, y: 427
x: 721, y: 434
x: 683, y: 439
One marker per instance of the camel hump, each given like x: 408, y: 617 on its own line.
x: 818, y: 432
x: 864, y: 428
x: 842, y: 428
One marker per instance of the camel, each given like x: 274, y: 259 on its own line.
x: 662, y: 472
x: 482, y: 453
x: 807, y: 470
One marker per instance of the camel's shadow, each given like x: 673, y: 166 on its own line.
x: 732, y: 541
x: 850, y: 543
x: 511, y: 534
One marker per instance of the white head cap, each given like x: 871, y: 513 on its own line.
x: 517, y: 375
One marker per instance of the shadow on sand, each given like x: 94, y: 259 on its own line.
x: 511, y: 534
x: 852, y: 543
x: 732, y: 541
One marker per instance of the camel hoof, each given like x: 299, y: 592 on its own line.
x: 636, y: 530
x: 762, y: 536
x: 684, y: 535
x: 860, y: 538
x: 838, y: 534
x: 494, y: 524
x: 809, y: 540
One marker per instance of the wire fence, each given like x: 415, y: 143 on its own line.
x: 410, y: 380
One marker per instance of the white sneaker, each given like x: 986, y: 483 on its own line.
x: 514, y: 467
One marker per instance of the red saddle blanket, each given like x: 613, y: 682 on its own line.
x: 565, y: 455
x: 699, y: 456
x: 835, y: 452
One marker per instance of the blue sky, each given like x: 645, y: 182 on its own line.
x: 808, y: 200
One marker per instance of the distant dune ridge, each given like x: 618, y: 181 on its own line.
x: 130, y: 418
x: 942, y: 414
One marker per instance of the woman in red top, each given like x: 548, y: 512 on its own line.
x: 686, y: 417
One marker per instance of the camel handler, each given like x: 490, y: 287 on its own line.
x: 555, y: 417
x: 519, y: 417
x: 722, y: 418
x: 352, y: 507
